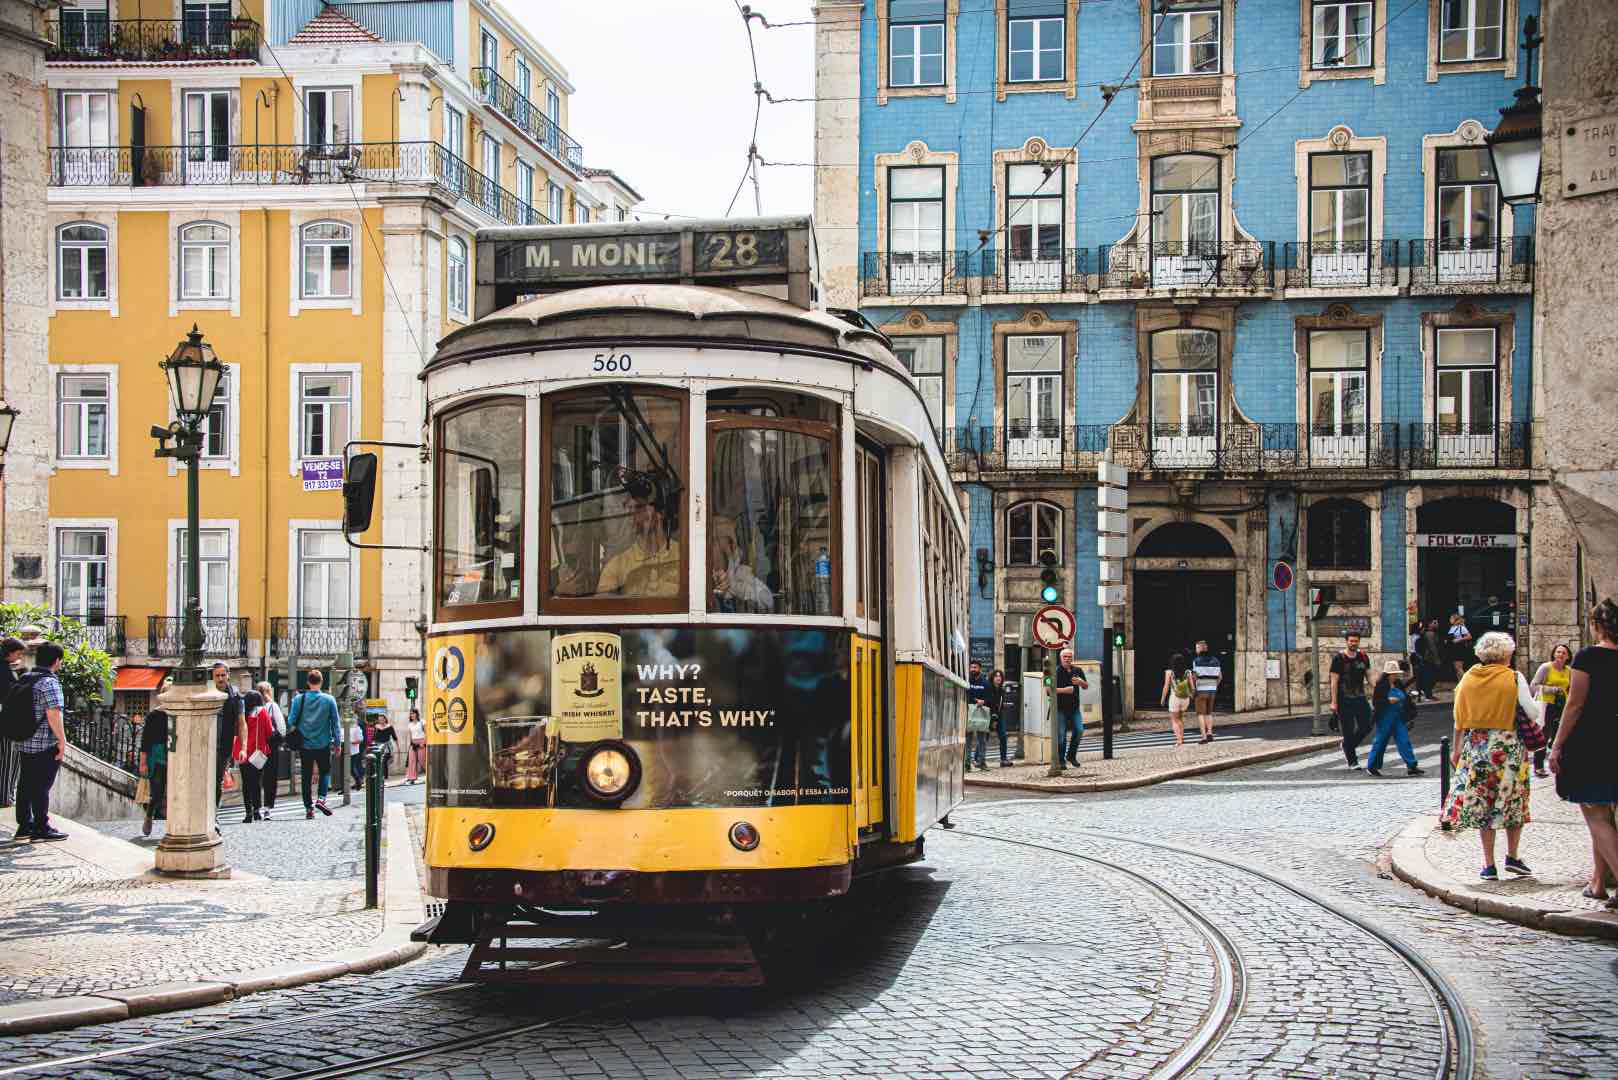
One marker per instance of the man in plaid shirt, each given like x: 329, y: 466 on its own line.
x: 42, y: 751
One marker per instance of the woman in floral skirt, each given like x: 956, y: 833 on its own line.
x: 1491, y: 766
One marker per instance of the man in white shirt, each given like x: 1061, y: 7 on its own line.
x: 1208, y: 673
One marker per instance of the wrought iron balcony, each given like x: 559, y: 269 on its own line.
x: 915, y: 273
x: 1026, y: 447
x: 105, y: 734
x: 294, y: 164
x: 90, y: 37
x: 221, y: 636
x: 1051, y: 271
x: 1345, y: 265
x: 104, y: 632
x: 1469, y: 266
x: 529, y: 118
x: 1189, y: 265
x: 1471, y: 446
x: 319, y: 637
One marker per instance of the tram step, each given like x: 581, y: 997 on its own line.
x: 587, y: 975
x: 679, y: 960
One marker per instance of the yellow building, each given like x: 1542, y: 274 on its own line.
x: 303, y: 182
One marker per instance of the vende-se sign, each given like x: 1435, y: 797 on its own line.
x: 1466, y: 540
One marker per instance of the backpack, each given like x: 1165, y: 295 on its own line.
x: 17, y: 720
x: 1182, y: 685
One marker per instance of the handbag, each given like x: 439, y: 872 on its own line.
x: 143, y: 791
x: 294, y: 740
x: 1530, y: 733
x: 978, y: 719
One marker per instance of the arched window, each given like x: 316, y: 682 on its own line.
x: 1033, y: 528
x: 204, y: 261
x: 81, y: 261
x: 457, y: 276
x: 1339, y: 535
x: 327, y: 260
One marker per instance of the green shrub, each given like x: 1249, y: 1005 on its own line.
x: 86, y: 671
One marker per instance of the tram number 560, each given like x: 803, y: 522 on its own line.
x: 611, y: 361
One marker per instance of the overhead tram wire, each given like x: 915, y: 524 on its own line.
x: 850, y: 22
x: 759, y: 94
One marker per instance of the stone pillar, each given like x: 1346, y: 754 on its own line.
x: 190, y: 846
x: 837, y: 143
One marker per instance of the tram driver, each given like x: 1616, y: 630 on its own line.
x: 650, y: 565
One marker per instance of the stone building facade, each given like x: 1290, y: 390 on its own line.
x: 1278, y: 287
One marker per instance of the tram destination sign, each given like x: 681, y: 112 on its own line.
x: 588, y: 258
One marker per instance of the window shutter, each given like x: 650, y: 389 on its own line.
x: 916, y: 10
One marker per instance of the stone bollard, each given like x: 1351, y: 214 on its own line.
x: 190, y: 846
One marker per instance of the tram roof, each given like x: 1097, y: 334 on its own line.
x: 665, y: 314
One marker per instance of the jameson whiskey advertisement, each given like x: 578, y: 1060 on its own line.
x: 713, y: 716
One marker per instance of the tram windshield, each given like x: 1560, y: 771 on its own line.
x: 481, y: 471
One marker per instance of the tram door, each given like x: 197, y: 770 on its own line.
x: 868, y: 711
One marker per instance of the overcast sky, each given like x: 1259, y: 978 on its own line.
x: 665, y: 96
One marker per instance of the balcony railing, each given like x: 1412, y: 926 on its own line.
x: 104, y: 734
x: 528, y: 117
x: 1471, y: 446
x: 1019, y: 447
x: 1345, y: 264
x: 915, y: 273
x: 1190, y: 264
x: 319, y: 637
x: 1035, y: 272
x: 294, y: 164
x: 1461, y: 266
x: 104, y: 632
x: 221, y: 636
x: 88, y: 37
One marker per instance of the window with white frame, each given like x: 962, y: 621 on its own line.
x: 82, y: 416
x: 1468, y: 379
x: 82, y: 254
x: 325, y: 403
x: 329, y: 116
x: 1036, y: 200
x: 216, y: 431
x: 923, y: 357
x: 553, y: 202
x: 1341, y: 34
x: 204, y: 261
x: 327, y: 260
x: 553, y: 119
x: 621, y: 213
x: 1033, y: 386
x: 916, y: 42
x: 525, y: 186
x: 489, y: 163
x: 84, y: 118
x: 213, y: 550
x: 1186, y: 43
x: 1339, y: 202
x: 81, y: 573
x: 1339, y: 373
x: 323, y: 575
x: 1468, y: 199
x: 455, y: 131
x: 488, y: 52
x: 916, y: 225
x: 1031, y: 529
x: 84, y: 27
x: 1185, y: 383
x: 1036, y: 32
x: 1470, y: 30
x: 457, y: 276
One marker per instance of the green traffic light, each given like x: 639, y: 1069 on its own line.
x: 1049, y: 594
x: 1118, y: 641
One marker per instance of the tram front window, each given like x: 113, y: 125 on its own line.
x: 772, y: 543
x: 480, y: 451
x: 617, y: 497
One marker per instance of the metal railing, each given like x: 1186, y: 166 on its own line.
x: 221, y: 635
x: 1473, y: 446
x: 1190, y: 264
x: 528, y: 117
x: 1468, y: 265
x: 104, y: 632
x: 1024, y: 447
x: 319, y: 637
x: 91, y: 36
x: 1346, y: 264
x: 1030, y: 272
x: 915, y: 273
x: 104, y: 734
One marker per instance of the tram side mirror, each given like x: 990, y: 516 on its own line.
x: 359, y: 492
x: 484, y: 507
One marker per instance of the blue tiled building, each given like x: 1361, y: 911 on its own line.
x: 1272, y: 277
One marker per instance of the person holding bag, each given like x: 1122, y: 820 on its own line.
x: 278, y: 738
x: 253, y: 754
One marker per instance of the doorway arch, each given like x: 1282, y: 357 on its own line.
x: 1466, y: 562
x: 1184, y: 589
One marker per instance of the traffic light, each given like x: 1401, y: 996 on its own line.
x: 1117, y: 639
x: 1051, y: 592
x: 410, y: 688
x: 1320, y: 598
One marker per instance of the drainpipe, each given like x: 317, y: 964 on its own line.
x: 264, y: 471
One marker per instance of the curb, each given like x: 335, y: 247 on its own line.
x: 1411, y: 865
x: 1176, y: 773
x: 402, y: 912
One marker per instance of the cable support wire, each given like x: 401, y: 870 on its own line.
x: 858, y: 19
x: 759, y: 94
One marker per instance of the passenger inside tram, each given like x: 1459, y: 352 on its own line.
x: 650, y: 565
x: 736, y: 587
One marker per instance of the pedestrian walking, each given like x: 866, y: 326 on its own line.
x: 358, y: 739
x: 1351, y: 712
x: 1432, y: 655
x: 278, y: 738
x: 42, y: 752
x: 1070, y: 727
x: 1395, y: 708
x: 977, y: 698
x: 1492, y: 782
x: 312, y: 727
x: 1460, y: 645
x: 252, y: 755
x: 11, y: 654
x: 997, y: 705
x: 1207, y: 673
x: 1550, y: 684
x: 382, y: 739
x: 416, y: 764
x: 154, y: 764
x: 1586, y: 747
x: 228, y: 726
x: 1177, y: 692
x: 1418, y: 658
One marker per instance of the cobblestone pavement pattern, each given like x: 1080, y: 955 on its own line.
x: 1010, y: 962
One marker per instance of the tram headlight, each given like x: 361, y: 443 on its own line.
x: 609, y: 772
x: 481, y: 836
x: 743, y: 836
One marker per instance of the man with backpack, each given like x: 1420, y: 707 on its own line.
x: 32, y: 715
x: 314, y: 731
x: 11, y: 652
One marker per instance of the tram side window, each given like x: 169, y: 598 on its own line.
x: 617, y: 495
x: 772, y: 526
x: 480, y: 478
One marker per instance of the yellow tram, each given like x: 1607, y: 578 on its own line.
x: 698, y: 610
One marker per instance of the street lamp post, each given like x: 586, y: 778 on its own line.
x: 190, y: 846
x: 1516, y: 142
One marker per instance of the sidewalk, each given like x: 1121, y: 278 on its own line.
x: 1141, y: 767
x: 1554, y: 843
x: 89, y: 934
